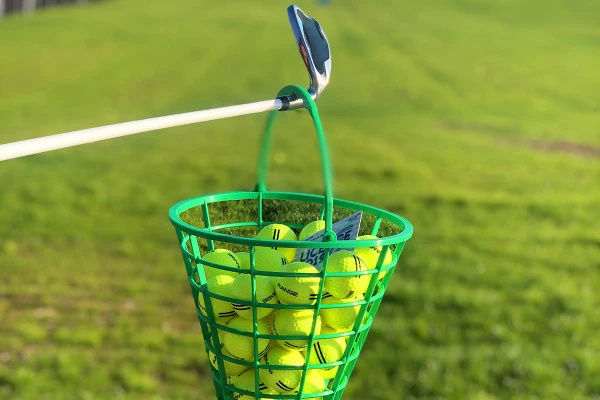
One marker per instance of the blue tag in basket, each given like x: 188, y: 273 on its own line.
x: 346, y: 229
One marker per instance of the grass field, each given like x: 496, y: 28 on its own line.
x: 476, y: 120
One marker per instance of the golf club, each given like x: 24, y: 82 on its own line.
x: 314, y: 49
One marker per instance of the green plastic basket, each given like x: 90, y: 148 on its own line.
x: 204, y: 223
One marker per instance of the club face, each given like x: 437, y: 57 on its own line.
x: 314, y: 49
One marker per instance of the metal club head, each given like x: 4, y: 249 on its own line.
x: 314, y: 49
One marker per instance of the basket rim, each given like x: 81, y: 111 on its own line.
x: 176, y: 210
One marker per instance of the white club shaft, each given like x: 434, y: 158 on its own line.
x: 68, y: 139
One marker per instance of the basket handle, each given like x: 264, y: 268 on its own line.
x: 298, y: 92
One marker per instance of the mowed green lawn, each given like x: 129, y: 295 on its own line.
x: 476, y: 120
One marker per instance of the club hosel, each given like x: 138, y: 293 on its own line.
x: 292, y: 103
